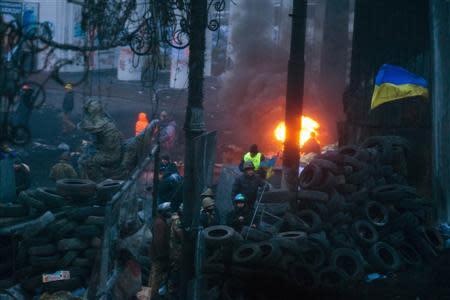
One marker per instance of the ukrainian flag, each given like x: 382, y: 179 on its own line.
x: 393, y: 83
x: 269, y: 164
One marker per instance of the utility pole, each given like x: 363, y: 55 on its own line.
x: 440, y: 37
x: 194, y: 126
x: 294, y: 96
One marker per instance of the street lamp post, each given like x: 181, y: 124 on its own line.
x: 294, y: 96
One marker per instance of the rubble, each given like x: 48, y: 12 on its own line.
x: 354, y: 215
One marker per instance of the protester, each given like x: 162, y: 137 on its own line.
x: 67, y: 107
x: 253, y: 156
x: 25, y: 107
x: 170, y: 188
x: 311, y: 145
x: 167, y: 165
x: 63, y: 169
x: 160, y: 250
x: 141, y: 123
x: 207, y: 193
x: 209, y: 215
x: 240, y: 215
x: 176, y: 237
x: 168, y: 131
x: 248, y: 184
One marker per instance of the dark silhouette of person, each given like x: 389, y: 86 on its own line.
x: 311, y: 145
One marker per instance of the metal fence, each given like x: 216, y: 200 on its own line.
x: 121, y: 210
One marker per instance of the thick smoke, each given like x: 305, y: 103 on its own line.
x: 253, y: 89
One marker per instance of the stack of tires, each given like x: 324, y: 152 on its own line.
x: 355, y: 215
x: 70, y: 242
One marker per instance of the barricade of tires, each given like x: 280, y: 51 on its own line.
x: 355, y: 215
x: 65, y: 234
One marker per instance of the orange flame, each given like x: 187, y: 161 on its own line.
x: 308, y: 125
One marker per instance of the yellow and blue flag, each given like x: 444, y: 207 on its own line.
x: 393, y: 83
x: 269, y: 164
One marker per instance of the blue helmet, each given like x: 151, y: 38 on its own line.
x: 239, y: 198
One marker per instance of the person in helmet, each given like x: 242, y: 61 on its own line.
x: 241, y: 214
x: 207, y: 193
x: 176, y: 238
x: 248, y: 184
x: 209, y: 215
x: 67, y: 108
x: 168, y: 165
x: 141, y: 123
x: 63, y: 169
x: 160, y: 249
x: 254, y: 156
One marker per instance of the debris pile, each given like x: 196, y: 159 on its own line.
x: 54, y: 229
x: 353, y: 215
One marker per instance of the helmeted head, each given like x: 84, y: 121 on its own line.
x: 207, y: 193
x: 65, y: 156
x: 165, y: 159
x: 208, y: 203
x: 249, y: 168
x: 94, y: 118
x: 253, y: 149
x: 142, y: 117
x: 93, y: 106
x: 239, y: 200
x: 164, y: 209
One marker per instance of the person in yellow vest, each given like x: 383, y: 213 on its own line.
x: 254, y: 156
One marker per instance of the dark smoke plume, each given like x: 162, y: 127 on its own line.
x: 253, y: 90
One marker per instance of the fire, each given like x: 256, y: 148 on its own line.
x: 308, y: 125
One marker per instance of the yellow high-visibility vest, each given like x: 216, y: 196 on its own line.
x: 256, y: 160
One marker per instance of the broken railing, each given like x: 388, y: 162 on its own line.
x: 121, y: 209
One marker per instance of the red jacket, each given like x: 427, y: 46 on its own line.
x: 160, y: 247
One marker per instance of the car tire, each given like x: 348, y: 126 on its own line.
x: 218, y: 235
x: 71, y: 244
x: 76, y: 188
x: 309, y: 221
x: 44, y: 250
x: 67, y: 259
x: 409, y: 255
x: 349, y: 261
x: 13, y: 210
x: 376, y: 213
x: 50, y: 197
x: 364, y: 233
x: 253, y: 234
x: 271, y: 253
x: 247, y: 254
x: 312, y: 254
x: 383, y: 258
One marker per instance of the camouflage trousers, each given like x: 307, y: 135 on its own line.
x: 158, y: 276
